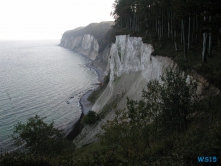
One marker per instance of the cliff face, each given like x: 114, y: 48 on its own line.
x: 102, y: 60
x: 131, y: 66
x: 90, y: 40
x: 86, y: 45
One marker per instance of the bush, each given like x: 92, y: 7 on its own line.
x: 91, y: 117
x: 40, y: 138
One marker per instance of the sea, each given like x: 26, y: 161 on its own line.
x: 40, y: 78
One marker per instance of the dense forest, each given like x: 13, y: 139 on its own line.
x: 189, y: 21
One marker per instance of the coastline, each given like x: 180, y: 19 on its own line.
x: 85, y: 105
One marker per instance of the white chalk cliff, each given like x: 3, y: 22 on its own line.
x: 131, y: 66
x: 86, y: 45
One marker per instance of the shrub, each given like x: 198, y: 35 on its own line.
x: 40, y: 138
x: 91, y: 117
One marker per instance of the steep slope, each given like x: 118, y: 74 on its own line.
x: 131, y: 66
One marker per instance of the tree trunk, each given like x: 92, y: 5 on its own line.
x: 168, y: 24
x: 193, y: 27
x: 156, y: 25
x: 184, y: 39
x: 171, y: 26
x: 138, y: 24
x: 126, y: 19
x: 130, y: 24
x: 181, y: 33
x: 205, y: 36
x: 210, y: 39
x: 204, y: 58
x: 196, y: 27
x: 151, y: 39
x: 175, y: 42
x: 161, y: 24
x: 189, y: 31
x: 210, y: 45
x: 168, y: 29
x: 175, y: 38
x: 218, y: 42
x: 159, y: 33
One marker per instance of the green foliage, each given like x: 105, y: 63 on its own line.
x: 164, y: 109
x: 91, y: 117
x: 23, y: 159
x: 130, y: 126
x: 178, y: 99
x: 40, y: 138
x: 120, y: 133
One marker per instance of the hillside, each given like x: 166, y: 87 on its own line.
x: 98, y: 30
x: 131, y: 65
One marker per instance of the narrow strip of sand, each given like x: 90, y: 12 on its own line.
x: 85, y: 105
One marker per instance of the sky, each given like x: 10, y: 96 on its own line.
x: 49, y: 19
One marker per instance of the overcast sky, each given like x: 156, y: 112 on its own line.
x: 48, y: 19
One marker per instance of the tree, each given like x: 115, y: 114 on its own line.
x: 178, y: 99
x: 40, y: 138
x: 124, y: 135
x: 133, y: 124
x: 91, y: 117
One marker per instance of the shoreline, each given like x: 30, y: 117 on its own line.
x: 85, y: 105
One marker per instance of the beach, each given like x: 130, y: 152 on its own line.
x: 85, y: 105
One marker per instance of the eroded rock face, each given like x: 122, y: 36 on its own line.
x: 130, y: 54
x: 131, y: 66
x: 76, y: 42
x: 89, y: 42
x: 102, y: 61
x: 86, y: 45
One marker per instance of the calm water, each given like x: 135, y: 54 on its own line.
x: 39, y: 77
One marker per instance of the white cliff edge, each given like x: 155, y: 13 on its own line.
x: 131, y: 66
x: 86, y: 45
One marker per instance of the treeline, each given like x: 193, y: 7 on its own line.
x: 190, y: 21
